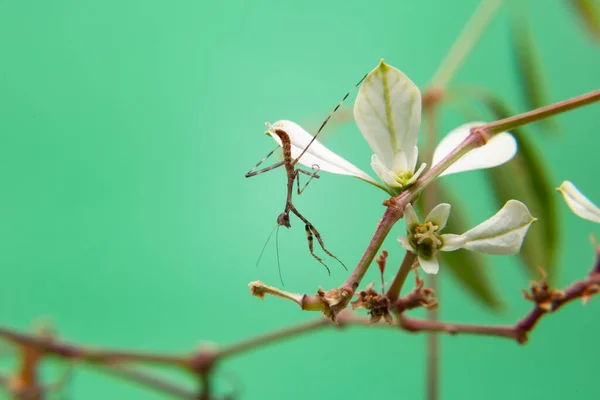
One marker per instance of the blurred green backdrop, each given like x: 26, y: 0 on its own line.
x: 126, y: 128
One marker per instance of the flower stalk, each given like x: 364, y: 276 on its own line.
x: 396, y: 287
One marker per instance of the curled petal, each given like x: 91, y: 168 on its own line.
x: 503, y: 233
x: 417, y: 174
x: 429, y: 265
x: 387, y: 176
x: 578, y: 203
x: 399, y: 179
x: 498, y: 150
x: 439, y: 215
x: 388, y: 113
x: 317, y: 154
x: 410, y: 217
x: 405, y: 242
x: 452, y: 242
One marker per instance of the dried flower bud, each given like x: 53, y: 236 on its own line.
x: 542, y: 294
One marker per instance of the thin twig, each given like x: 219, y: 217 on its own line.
x: 73, y: 352
x: 396, y: 286
x: 147, y: 380
x: 110, y: 360
x: 481, y: 134
x: 521, y: 329
x: 270, y: 338
x: 540, y: 113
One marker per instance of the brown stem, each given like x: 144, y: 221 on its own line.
x: 286, y: 333
x: 390, y: 217
x: 418, y: 325
x: 540, y: 113
x: 520, y: 330
x: 143, y: 379
x: 67, y: 351
x: 107, y: 359
x: 395, y: 288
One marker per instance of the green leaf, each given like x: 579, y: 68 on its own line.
x: 468, y: 268
x: 529, y: 65
x: 589, y: 13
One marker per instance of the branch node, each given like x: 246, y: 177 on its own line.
x: 333, y: 301
x: 204, y: 360
x: 482, y: 135
x: 542, y: 294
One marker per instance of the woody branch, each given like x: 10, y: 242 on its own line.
x: 200, y: 363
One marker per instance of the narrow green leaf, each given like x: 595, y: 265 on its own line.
x: 529, y: 65
x: 589, y: 13
x: 468, y: 268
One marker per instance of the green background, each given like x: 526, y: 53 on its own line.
x: 126, y: 128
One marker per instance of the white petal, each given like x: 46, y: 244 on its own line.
x: 404, y: 242
x: 391, y: 178
x: 578, y: 203
x: 316, y: 153
x: 503, y: 233
x: 453, y: 242
x: 388, y: 113
x: 388, y: 177
x: 417, y: 174
x: 430, y: 266
x: 410, y: 217
x: 439, y: 215
x: 498, y: 150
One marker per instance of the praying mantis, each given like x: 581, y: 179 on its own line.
x: 293, y: 176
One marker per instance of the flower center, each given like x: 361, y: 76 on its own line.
x: 425, y: 235
x: 403, y: 177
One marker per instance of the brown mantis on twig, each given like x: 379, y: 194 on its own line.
x: 293, y: 174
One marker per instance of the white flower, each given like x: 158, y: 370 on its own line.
x: 501, y: 234
x: 317, y: 154
x: 388, y: 113
x: 578, y: 203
